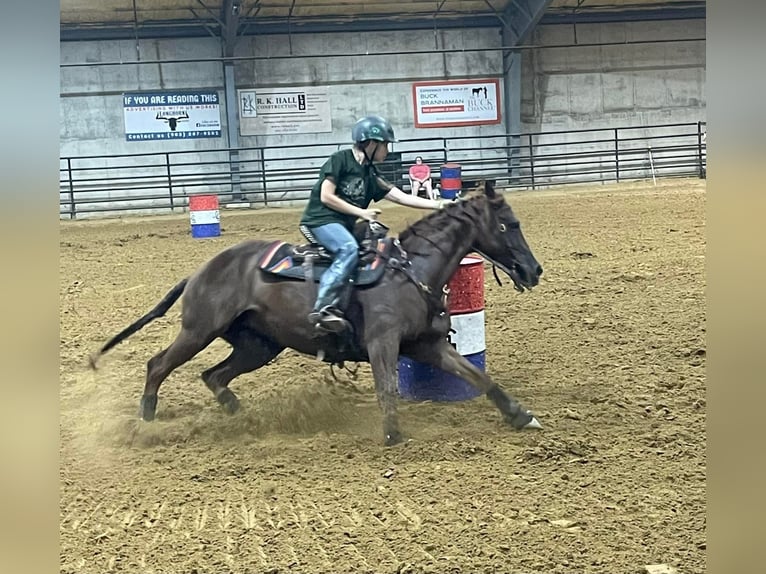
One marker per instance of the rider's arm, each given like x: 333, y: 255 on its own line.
x: 398, y: 196
x: 328, y: 197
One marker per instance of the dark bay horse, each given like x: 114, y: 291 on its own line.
x: 260, y: 314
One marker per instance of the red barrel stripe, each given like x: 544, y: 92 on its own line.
x: 451, y: 183
x: 203, y: 202
x: 467, y: 287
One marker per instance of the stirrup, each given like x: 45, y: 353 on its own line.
x: 330, y: 320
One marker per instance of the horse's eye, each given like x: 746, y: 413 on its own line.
x: 502, y: 228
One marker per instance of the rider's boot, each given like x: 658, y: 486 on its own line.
x: 329, y: 319
x: 327, y: 316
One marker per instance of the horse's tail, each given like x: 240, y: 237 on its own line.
x: 161, y: 308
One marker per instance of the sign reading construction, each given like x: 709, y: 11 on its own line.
x: 171, y: 115
x: 277, y: 111
x: 456, y: 103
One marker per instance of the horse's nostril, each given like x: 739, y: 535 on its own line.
x: 539, y: 270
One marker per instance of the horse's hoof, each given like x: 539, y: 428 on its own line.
x: 147, y: 408
x: 525, y: 420
x: 533, y: 424
x: 228, y: 401
x: 393, y: 438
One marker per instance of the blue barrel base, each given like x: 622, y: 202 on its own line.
x: 448, y: 193
x: 421, y: 382
x: 206, y: 230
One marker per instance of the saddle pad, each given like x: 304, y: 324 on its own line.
x: 283, y: 259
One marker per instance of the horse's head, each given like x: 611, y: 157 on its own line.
x: 501, y: 241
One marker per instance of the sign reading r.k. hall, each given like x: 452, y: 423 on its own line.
x: 277, y: 111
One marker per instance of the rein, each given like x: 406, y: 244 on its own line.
x: 436, y: 305
x: 428, y: 240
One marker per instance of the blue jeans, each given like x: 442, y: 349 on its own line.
x: 345, y: 250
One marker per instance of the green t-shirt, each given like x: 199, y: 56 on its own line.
x: 354, y: 183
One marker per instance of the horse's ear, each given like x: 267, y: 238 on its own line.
x: 489, y: 188
x: 485, y: 187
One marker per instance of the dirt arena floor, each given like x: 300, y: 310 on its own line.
x: 609, y: 351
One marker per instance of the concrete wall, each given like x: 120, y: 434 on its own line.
x: 369, y: 84
x: 91, y: 104
x: 608, y: 86
x: 563, y: 88
x: 91, y: 98
x: 578, y: 88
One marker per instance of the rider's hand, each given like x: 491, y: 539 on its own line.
x: 442, y: 203
x: 370, y: 214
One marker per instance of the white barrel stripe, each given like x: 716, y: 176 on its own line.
x: 205, y: 217
x: 468, y: 337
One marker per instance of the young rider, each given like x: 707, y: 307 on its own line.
x: 348, y: 182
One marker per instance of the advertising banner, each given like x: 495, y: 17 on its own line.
x: 451, y: 103
x: 277, y: 111
x: 171, y: 115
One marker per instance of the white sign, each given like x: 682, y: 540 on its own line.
x: 276, y: 111
x: 171, y: 115
x: 456, y: 103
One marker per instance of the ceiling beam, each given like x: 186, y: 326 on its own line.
x: 264, y: 26
x: 526, y: 14
x: 249, y: 17
x: 209, y: 11
x: 204, y: 24
x: 230, y: 14
x: 135, y: 30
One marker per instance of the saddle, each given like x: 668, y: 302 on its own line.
x: 310, y: 260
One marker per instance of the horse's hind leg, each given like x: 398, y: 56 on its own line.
x: 186, y: 345
x: 250, y: 352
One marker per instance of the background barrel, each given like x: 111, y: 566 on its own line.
x: 450, y: 180
x: 204, y: 215
x: 418, y: 381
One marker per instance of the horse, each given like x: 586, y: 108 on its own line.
x: 236, y: 295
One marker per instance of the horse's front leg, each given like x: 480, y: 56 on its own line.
x: 445, y: 357
x: 383, y: 351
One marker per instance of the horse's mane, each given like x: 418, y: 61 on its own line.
x: 425, y: 225
x: 430, y: 227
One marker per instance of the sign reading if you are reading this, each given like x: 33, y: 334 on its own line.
x: 171, y: 115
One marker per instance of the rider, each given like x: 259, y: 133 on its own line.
x: 348, y: 182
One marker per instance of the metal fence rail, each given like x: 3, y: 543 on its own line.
x: 108, y: 184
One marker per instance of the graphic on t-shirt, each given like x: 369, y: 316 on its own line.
x: 353, y: 188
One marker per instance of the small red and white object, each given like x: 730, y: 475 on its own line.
x: 205, y: 216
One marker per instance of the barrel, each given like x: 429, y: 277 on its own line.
x: 450, y: 181
x: 420, y: 382
x: 204, y: 215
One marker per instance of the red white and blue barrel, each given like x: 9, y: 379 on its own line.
x: 205, y: 216
x: 420, y: 382
x: 450, y: 180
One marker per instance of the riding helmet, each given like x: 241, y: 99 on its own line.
x: 373, y: 128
